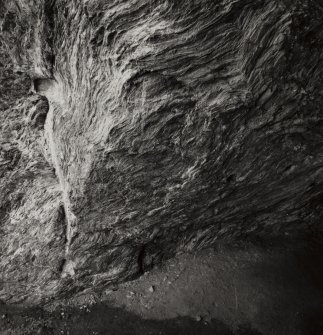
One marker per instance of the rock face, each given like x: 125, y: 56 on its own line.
x: 155, y: 127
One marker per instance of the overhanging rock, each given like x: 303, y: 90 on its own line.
x: 170, y: 124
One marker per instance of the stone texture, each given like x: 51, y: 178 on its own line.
x: 155, y: 127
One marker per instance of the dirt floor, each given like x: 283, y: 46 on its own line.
x: 251, y: 288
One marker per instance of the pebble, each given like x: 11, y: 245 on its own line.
x: 130, y: 295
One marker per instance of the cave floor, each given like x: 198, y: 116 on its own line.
x: 249, y: 288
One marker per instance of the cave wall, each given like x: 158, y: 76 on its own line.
x: 153, y: 128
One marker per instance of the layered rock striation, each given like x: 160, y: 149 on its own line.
x: 153, y: 128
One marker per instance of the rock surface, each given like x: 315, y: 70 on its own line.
x: 153, y: 128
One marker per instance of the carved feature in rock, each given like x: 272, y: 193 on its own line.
x: 171, y: 124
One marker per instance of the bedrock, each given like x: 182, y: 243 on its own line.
x: 155, y: 127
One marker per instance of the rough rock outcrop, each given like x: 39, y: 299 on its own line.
x: 155, y: 127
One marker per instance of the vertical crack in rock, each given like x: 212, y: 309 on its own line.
x: 141, y: 260
x: 62, y: 220
x: 52, y: 91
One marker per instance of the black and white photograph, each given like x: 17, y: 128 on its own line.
x: 161, y: 167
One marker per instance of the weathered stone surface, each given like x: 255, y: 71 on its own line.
x: 171, y: 124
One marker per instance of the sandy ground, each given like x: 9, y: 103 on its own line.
x: 251, y: 288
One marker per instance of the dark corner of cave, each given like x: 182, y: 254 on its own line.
x: 161, y: 167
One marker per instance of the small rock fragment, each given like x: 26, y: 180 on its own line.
x: 130, y: 294
x: 198, y: 318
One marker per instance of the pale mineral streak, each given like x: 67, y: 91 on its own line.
x: 155, y: 127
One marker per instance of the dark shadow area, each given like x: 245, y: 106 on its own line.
x: 293, y: 274
x: 105, y: 320
x: 288, y: 279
